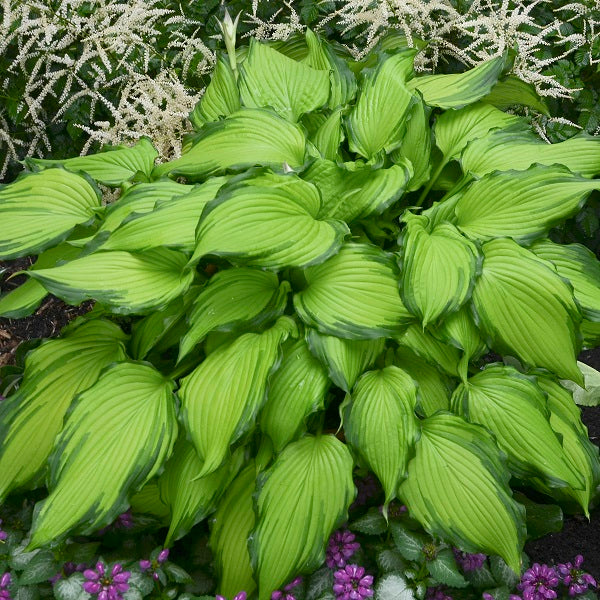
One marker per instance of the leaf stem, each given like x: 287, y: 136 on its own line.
x: 431, y: 181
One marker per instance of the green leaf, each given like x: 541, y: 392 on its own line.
x: 54, y: 373
x: 379, y: 422
x: 233, y: 298
x: 457, y: 488
x: 70, y: 588
x: 502, y: 573
x: 297, y: 389
x: 589, y: 393
x: 526, y: 310
x: 353, y: 295
x: 123, y: 428
x: 512, y: 91
x: 393, y: 586
x: 409, y: 543
x: 542, y: 519
x: 148, y: 502
x: 43, y: 208
x: 41, y: 568
x: 113, y: 166
x: 523, y: 205
x: 444, y: 570
x: 126, y: 282
x: 390, y: 560
x: 301, y: 499
x: 223, y: 395
x: 345, y: 360
x: 251, y: 136
x: 459, y: 89
x: 319, y: 583
x: 328, y: 137
x: 251, y: 221
x: 371, y: 523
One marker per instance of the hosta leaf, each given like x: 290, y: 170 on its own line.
x: 231, y: 527
x: 222, y: 396
x: 252, y: 221
x: 251, y: 136
x: 328, y: 137
x: 587, y: 394
x: 353, y: 295
x: 513, y: 408
x: 379, y: 422
x: 378, y: 120
x: 523, y: 205
x: 192, y: 499
x: 345, y: 360
x: 437, y: 268
x: 126, y: 282
x: 301, y: 499
x: 457, y: 488
x: 148, y: 502
x: 121, y: 430
x: 297, y: 389
x: 512, y: 91
x: 233, y: 298
x: 271, y: 79
x: 43, y: 208
x: 526, y: 309
x: 54, y: 373
x: 113, y: 166
x: 459, y: 89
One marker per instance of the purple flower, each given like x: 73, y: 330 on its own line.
x: 285, y: 594
x: 367, y: 487
x: 538, y: 583
x: 123, y: 521
x: 341, y: 548
x: 107, y: 587
x: 468, y: 561
x: 438, y: 593
x: 5, y: 581
x: 351, y: 583
x: 3, y: 534
x: 239, y: 596
x: 575, y: 578
x: 154, y: 565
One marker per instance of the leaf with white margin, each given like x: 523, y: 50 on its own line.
x: 457, y: 488
x: 223, y: 395
x: 393, y: 586
x: 39, y: 210
x: 268, y: 221
x: 437, y: 268
x: 300, y: 501
x: 523, y: 205
x: 345, y: 360
x: 353, y: 295
x: 248, y: 137
x: 113, y: 166
x: 271, y: 79
x: 379, y: 422
x: 511, y: 91
x: 127, y: 282
x: 513, y: 408
x: 116, y: 438
x: 54, y: 373
x: 526, y: 310
x: 378, y: 120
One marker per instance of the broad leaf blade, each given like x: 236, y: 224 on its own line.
x: 512, y: 91
x: 328, y: 137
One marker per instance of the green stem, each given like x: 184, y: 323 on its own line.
x: 431, y: 181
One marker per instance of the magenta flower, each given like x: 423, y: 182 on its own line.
x: 3, y: 534
x: 367, y: 487
x: 5, y: 581
x: 438, y: 593
x: 467, y: 561
x: 286, y: 593
x: 576, y: 579
x: 538, y: 583
x: 341, y: 548
x: 154, y: 565
x: 351, y: 583
x: 239, y: 596
x: 107, y: 587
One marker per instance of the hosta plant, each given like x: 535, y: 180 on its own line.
x: 315, y: 286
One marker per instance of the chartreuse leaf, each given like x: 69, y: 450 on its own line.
x: 54, y: 373
x: 231, y: 526
x: 269, y: 221
x: 329, y: 135
x: 271, y: 79
x: 512, y: 91
x: 223, y: 395
x: 353, y: 295
x: 378, y: 119
x: 127, y: 282
x: 379, y: 422
x: 301, y: 499
x: 43, y: 208
x: 345, y: 360
x: 523, y: 205
x: 121, y: 429
x: 297, y: 389
x: 232, y: 298
x: 505, y: 150
x: 437, y: 268
x: 190, y: 498
x: 459, y: 89
x: 250, y: 136
x: 525, y: 309
x: 457, y: 488
x: 148, y: 502
x: 513, y: 408
x: 113, y: 166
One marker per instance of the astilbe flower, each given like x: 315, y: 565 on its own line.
x: 575, y: 578
x: 351, y: 583
x: 341, y: 548
x: 154, y: 565
x: 437, y: 593
x: 467, y: 561
x: 107, y: 587
x: 539, y: 583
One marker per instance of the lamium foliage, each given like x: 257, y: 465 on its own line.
x: 311, y: 288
